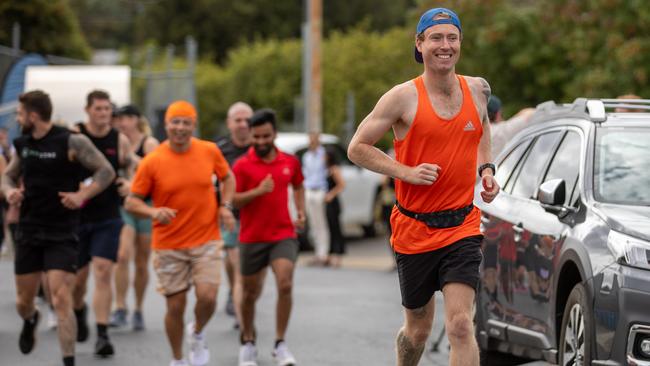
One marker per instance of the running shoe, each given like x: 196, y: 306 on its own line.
x: 103, y: 347
x: 248, y: 354
x: 82, y: 324
x: 27, y: 338
x: 118, y: 318
x: 199, y: 352
x: 283, y: 356
x: 52, y: 319
x: 138, y: 321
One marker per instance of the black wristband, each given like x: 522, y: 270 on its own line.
x: 486, y: 166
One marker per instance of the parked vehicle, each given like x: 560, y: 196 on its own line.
x: 360, y: 199
x: 566, y: 269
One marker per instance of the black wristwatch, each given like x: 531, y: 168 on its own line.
x: 486, y: 166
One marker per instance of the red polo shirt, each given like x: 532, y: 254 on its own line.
x: 266, y: 218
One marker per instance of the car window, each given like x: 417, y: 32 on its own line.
x: 622, y: 167
x: 566, y: 163
x: 532, y: 169
x: 505, y: 169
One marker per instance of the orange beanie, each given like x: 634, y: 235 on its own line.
x: 180, y: 108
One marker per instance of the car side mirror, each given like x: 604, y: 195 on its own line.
x: 552, y: 192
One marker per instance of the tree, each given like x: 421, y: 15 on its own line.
x: 47, y: 27
x: 109, y: 24
x: 219, y: 25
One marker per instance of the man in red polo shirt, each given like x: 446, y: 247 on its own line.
x: 267, y: 234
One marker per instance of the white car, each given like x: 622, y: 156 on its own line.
x: 360, y: 198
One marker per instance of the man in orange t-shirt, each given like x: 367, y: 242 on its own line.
x: 178, y: 176
x: 442, y: 135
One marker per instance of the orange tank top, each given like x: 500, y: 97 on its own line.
x: 452, y: 144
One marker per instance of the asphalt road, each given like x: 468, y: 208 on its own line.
x: 346, y: 316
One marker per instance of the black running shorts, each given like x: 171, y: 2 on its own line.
x: 422, y: 274
x: 43, y: 251
x: 253, y: 257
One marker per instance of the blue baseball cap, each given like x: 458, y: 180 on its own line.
x: 427, y: 20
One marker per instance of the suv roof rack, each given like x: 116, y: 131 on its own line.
x: 591, y: 109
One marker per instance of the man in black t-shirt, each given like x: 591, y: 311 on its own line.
x: 47, y: 159
x: 233, y: 147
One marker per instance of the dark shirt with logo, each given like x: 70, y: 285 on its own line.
x: 106, y: 205
x: 46, y: 171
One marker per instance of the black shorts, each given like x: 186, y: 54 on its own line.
x: 253, y: 257
x: 99, y: 239
x: 422, y: 274
x: 43, y: 250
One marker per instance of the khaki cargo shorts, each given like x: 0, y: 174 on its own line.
x: 178, y: 269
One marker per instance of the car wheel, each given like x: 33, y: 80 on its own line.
x: 575, y: 338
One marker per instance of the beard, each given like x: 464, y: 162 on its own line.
x: 263, y: 151
x: 26, y: 130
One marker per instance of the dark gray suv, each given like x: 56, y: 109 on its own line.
x: 566, y: 268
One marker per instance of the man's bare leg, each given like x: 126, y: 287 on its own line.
x: 26, y: 290
x: 459, y: 302
x: 103, y: 294
x: 61, y: 284
x: 206, y: 301
x: 252, y: 286
x: 413, y: 336
x: 283, y: 270
x: 174, y: 322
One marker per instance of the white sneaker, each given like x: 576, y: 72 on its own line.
x: 178, y: 363
x: 283, y: 356
x: 248, y: 355
x: 52, y: 319
x: 199, y: 352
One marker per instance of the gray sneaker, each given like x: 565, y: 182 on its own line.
x: 248, y: 355
x: 138, y: 321
x: 283, y: 356
x: 118, y: 318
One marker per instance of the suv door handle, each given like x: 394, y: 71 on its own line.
x: 517, y: 230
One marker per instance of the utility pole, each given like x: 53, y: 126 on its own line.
x: 15, y: 39
x: 313, y: 84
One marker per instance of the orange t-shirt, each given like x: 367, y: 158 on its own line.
x: 183, y: 181
x: 452, y: 144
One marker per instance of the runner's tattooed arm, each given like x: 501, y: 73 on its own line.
x: 489, y: 183
x: 10, y: 178
x: 83, y: 151
x: 485, y: 145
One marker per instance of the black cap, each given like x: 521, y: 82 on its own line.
x: 129, y: 110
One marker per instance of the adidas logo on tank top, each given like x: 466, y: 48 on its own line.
x: 469, y: 126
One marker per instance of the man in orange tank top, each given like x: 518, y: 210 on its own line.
x: 442, y: 135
